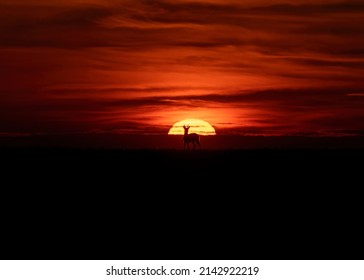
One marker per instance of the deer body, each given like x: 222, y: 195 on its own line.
x: 190, y: 137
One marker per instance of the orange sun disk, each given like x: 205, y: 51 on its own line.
x: 196, y: 126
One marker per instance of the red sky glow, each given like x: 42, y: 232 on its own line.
x: 272, y: 67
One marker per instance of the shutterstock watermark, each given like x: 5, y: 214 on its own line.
x: 182, y: 269
x: 199, y: 270
x: 128, y: 271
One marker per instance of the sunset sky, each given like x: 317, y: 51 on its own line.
x: 268, y: 67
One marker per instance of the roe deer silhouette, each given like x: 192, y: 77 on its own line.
x: 190, y: 137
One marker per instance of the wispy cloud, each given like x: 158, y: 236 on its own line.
x: 355, y: 94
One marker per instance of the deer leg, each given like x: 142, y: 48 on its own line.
x: 199, y: 144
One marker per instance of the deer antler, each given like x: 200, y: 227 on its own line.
x: 186, y: 126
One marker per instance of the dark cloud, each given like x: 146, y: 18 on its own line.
x: 64, y: 92
x: 329, y: 63
x: 315, y: 96
x: 200, y: 25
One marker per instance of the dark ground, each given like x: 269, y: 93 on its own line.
x: 175, y: 167
x: 175, y: 142
x: 66, y: 203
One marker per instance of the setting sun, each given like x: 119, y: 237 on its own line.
x: 196, y: 126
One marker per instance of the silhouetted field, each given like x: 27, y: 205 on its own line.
x: 150, y: 196
x: 116, y: 166
x: 175, y: 142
